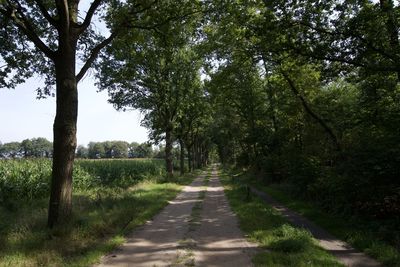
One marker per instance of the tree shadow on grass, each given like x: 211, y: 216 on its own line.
x: 100, y: 219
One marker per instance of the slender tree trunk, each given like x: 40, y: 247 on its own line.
x: 198, y: 156
x: 182, y: 156
x: 168, y: 152
x: 194, y: 160
x: 194, y: 155
x: 201, y: 156
x: 64, y: 142
x: 189, y: 150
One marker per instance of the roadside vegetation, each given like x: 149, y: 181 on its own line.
x: 377, y: 238
x: 111, y: 198
x: 281, y: 243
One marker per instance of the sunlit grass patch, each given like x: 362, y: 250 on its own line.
x: 281, y: 243
x: 360, y: 233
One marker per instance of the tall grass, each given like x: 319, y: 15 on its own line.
x: 30, y: 179
x: 105, y: 208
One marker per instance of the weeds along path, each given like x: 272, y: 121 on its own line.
x: 198, y: 228
x: 341, y: 250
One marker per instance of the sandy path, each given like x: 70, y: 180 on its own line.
x: 341, y: 250
x: 156, y: 243
x: 219, y: 239
x: 195, y: 229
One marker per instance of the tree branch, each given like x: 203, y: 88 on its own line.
x: 93, y: 55
x: 63, y: 13
x: 89, y: 15
x: 308, y: 109
x: 19, y: 18
x: 46, y: 14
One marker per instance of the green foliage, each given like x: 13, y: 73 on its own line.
x: 378, y: 238
x: 287, y: 245
x: 30, y: 179
x: 120, y: 173
x: 29, y: 148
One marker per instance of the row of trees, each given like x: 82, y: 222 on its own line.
x: 150, y: 49
x: 42, y: 148
x: 158, y: 72
x: 28, y: 148
x: 302, y: 92
x: 307, y: 93
x: 116, y: 149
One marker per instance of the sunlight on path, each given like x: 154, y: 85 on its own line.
x: 219, y: 239
x: 197, y: 228
x: 155, y: 243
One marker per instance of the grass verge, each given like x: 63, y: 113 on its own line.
x: 366, y: 236
x: 102, y: 217
x: 281, y: 243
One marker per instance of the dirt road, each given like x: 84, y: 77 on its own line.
x: 198, y: 228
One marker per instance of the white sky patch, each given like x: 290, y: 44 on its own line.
x: 23, y: 116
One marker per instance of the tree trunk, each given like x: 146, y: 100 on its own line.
x: 198, y: 156
x: 168, y: 152
x: 189, y: 150
x: 387, y: 7
x: 182, y: 156
x: 64, y: 134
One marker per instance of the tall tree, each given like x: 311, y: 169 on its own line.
x: 154, y: 73
x: 45, y: 38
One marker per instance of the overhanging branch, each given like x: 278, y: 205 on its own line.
x: 17, y: 15
x: 46, y: 14
x: 308, y: 109
x: 89, y: 15
x: 93, y: 55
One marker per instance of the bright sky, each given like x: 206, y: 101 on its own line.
x: 23, y: 116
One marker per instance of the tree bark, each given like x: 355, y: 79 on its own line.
x: 182, y: 156
x: 168, y: 152
x: 387, y: 7
x: 189, y: 151
x: 64, y: 134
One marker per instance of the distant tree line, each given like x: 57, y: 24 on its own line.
x: 116, y: 149
x: 42, y: 148
x: 29, y: 148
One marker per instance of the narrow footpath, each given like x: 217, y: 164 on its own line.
x: 198, y: 228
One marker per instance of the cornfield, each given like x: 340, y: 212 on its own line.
x: 30, y: 179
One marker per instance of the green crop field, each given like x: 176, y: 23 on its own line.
x: 110, y: 198
x: 30, y: 179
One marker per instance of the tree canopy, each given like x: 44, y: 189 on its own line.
x: 302, y: 93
